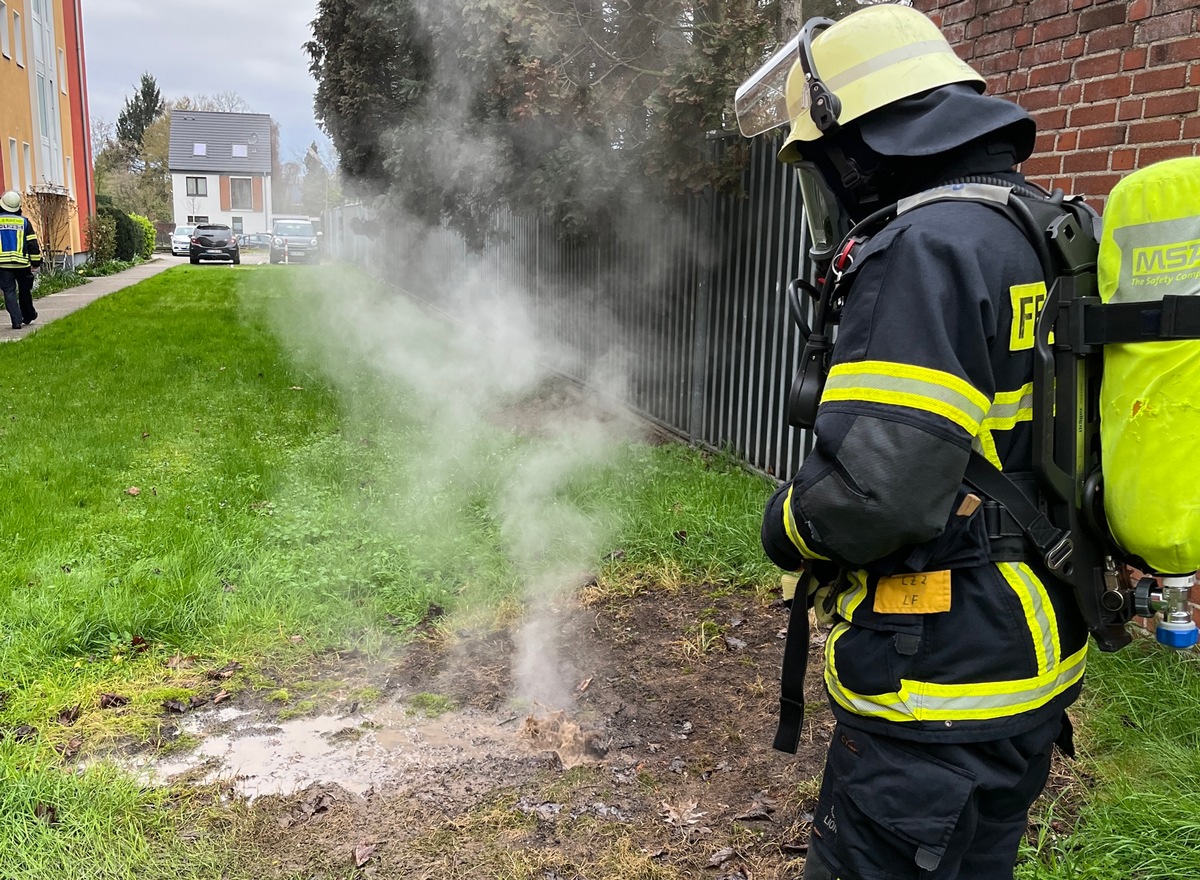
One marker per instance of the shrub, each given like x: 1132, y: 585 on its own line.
x: 129, y: 234
x: 103, y: 237
x: 149, y: 235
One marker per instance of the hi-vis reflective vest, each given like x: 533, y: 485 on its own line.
x: 14, y: 230
x: 1150, y: 394
x: 943, y: 634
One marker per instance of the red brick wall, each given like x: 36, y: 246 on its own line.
x: 1113, y: 85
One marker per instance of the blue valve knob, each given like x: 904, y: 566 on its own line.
x: 1176, y: 635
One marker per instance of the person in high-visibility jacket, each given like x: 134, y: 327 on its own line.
x: 19, y: 255
x: 953, y: 653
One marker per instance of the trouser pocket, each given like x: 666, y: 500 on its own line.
x: 888, y: 810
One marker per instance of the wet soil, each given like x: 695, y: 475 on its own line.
x: 656, y: 763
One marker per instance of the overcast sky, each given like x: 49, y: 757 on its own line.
x: 252, y: 47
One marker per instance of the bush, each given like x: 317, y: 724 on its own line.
x: 129, y: 234
x: 110, y: 267
x: 103, y: 237
x: 149, y: 235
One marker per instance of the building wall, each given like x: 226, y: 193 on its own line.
x: 1113, y: 85
x: 217, y: 206
x: 69, y: 166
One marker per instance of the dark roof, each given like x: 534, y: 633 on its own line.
x: 219, y: 132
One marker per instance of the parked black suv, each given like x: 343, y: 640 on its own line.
x: 214, y: 241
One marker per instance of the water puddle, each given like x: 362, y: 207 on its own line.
x: 360, y: 752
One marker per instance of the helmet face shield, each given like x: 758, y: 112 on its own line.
x: 827, y: 221
x: 761, y: 101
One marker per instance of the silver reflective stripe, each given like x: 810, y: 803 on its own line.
x: 1039, y: 612
x: 884, y: 60
x: 1158, y: 259
x: 975, y: 191
x: 852, y: 382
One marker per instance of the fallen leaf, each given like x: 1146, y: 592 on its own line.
x: 139, y: 644
x: 25, y: 733
x: 734, y: 644
x: 363, y: 853
x: 113, y: 701
x: 720, y: 857
x: 227, y: 671
x: 67, y: 717
x: 583, y: 686
x: 222, y: 696
x: 181, y: 662
x: 176, y: 706
x: 296, y: 640
x: 70, y: 748
x: 133, y: 490
x: 761, y: 808
x: 197, y: 701
x: 681, y: 816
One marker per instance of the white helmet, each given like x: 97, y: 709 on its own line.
x: 11, y: 201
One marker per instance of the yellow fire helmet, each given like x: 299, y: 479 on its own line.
x: 834, y: 72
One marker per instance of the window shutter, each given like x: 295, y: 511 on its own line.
x: 257, y: 184
x: 225, y: 201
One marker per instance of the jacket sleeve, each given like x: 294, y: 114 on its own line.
x: 32, y: 249
x: 909, y: 388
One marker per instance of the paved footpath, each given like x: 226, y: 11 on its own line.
x: 56, y: 305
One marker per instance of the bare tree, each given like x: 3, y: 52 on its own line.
x: 50, y: 210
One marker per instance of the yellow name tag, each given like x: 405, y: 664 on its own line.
x: 924, y: 593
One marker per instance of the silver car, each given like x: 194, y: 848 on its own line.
x: 181, y: 240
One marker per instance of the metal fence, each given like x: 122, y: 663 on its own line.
x: 688, y: 305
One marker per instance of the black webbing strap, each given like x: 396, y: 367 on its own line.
x: 1172, y: 317
x: 795, y: 669
x: 1052, y: 543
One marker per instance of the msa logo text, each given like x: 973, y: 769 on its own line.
x: 1177, y: 257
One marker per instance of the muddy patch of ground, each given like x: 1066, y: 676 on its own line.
x: 656, y: 762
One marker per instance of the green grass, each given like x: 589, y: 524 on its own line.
x: 1139, y: 765
x: 197, y: 466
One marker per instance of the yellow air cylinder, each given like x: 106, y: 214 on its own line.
x: 1150, y: 394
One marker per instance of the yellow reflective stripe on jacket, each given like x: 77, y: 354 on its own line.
x: 1008, y: 410
x: 925, y: 701
x: 906, y: 385
x: 1039, y: 612
x: 793, y: 533
x: 848, y: 600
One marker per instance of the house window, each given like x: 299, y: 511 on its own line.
x: 18, y: 39
x: 14, y: 169
x: 239, y: 151
x: 28, y: 166
x: 4, y: 47
x: 62, y: 71
x: 238, y: 226
x: 199, y: 149
x: 241, y: 194
x: 196, y: 219
x: 70, y: 177
x: 197, y: 186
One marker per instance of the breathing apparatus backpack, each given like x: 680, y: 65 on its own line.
x: 1116, y: 399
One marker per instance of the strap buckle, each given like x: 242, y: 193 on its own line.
x: 1060, y: 554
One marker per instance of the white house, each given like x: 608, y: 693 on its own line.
x: 221, y: 169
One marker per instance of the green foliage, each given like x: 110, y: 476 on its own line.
x: 551, y: 106
x: 140, y: 111
x: 127, y: 241
x: 108, y: 267
x: 103, y: 234
x: 149, y: 235
x: 52, y: 281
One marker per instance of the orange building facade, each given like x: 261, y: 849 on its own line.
x: 45, y: 131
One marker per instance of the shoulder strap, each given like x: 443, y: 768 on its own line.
x: 1052, y: 543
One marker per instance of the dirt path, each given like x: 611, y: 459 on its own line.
x: 658, y: 766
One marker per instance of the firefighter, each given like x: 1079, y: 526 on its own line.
x: 19, y: 255
x: 954, y: 652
